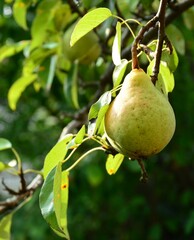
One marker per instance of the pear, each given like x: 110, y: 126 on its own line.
x: 140, y: 121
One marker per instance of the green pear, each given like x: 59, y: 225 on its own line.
x: 140, y: 121
x: 86, y: 50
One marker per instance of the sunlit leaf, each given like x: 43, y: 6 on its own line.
x: 43, y: 23
x: 18, y: 87
x: 5, y: 227
x: 116, y: 48
x: 56, y: 154
x: 46, y: 200
x: 5, y: 144
x: 104, y: 100
x: 176, y: 37
x: 113, y: 163
x: 51, y: 74
x: 88, y: 22
x: 11, y: 49
x: 80, y: 135
x: 19, y: 12
x: 119, y: 72
x: 61, y: 186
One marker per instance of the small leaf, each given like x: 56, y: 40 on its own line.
x: 5, y: 227
x: 5, y: 144
x: 88, y: 22
x: 165, y: 82
x: 70, y: 86
x: 18, y: 87
x: 51, y: 74
x: 80, y: 135
x: 113, y: 163
x: 119, y: 72
x: 177, y: 38
x: 116, y: 48
x: 104, y: 100
x: 56, y: 154
x: 170, y: 59
x: 61, y: 186
x: 19, y: 13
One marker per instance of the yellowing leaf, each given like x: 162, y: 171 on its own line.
x: 113, y: 163
x: 88, y: 22
x: 5, y: 227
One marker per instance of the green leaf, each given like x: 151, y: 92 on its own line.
x: 165, y: 82
x: 61, y: 186
x: 56, y: 154
x: 116, y: 47
x: 80, y: 135
x: 43, y: 23
x: 71, y: 86
x: 177, y: 38
x: 19, y: 13
x: 46, y: 201
x: 88, y: 22
x: 170, y: 59
x: 104, y: 100
x: 51, y: 74
x: 119, y: 72
x: 18, y: 87
x: 11, y: 49
x: 113, y: 163
x: 5, y: 144
x: 5, y: 227
x: 188, y: 17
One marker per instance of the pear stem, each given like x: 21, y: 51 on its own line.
x: 144, y: 175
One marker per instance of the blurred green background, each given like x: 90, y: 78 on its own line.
x: 102, y: 206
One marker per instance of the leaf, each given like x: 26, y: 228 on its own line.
x: 116, y: 47
x: 5, y: 227
x: 188, y: 17
x: 70, y: 86
x: 104, y: 100
x: 165, y: 82
x: 119, y: 72
x: 19, y: 13
x: 51, y: 74
x: 177, y: 38
x: 56, y: 154
x: 113, y: 163
x: 61, y: 186
x: 5, y: 144
x: 43, y: 23
x: 80, y: 135
x: 9, y: 50
x: 18, y: 87
x: 88, y: 22
x: 170, y: 59
x: 46, y: 201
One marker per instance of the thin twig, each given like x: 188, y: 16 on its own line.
x: 161, y: 35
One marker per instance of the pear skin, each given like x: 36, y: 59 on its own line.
x: 140, y: 121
